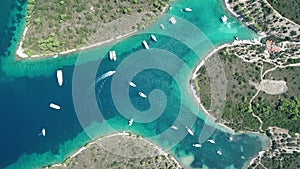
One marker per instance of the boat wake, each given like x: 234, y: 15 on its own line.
x: 105, y: 75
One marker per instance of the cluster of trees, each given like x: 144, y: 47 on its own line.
x: 285, y: 113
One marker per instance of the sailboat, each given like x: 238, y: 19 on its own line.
x: 153, y: 37
x: 211, y: 141
x: 54, y: 106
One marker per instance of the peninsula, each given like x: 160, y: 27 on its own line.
x: 262, y: 87
x: 58, y: 27
x: 123, y: 150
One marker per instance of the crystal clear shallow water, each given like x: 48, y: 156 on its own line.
x: 29, y: 86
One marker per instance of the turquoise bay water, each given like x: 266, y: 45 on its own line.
x: 93, y: 106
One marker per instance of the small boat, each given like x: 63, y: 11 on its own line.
x: 131, y: 84
x: 142, y: 95
x: 197, y: 145
x: 174, y: 127
x: 153, y: 38
x: 211, y: 141
x: 43, y: 133
x: 145, y: 44
x: 170, y: 7
x: 189, y: 131
x: 59, y: 77
x: 187, y: 9
x: 162, y: 26
x: 112, y: 55
x: 224, y: 18
x: 236, y: 37
x: 130, y: 122
x: 230, y: 138
x: 54, y: 106
x: 172, y: 20
x: 219, y: 152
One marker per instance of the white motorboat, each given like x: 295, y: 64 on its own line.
x: 211, y: 141
x: 162, y: 26
x: 131, y: 84
x: 112, y: 55
x: 54, y: 106
x: 172, y: 20
x: 59, y: 76
x: 230, y: 138
x: 219, y: 152
x: 174, y: 127
x: 153, y: 37
x: 142, y: 95
x: 197, y: 145
x: 224, y: 18
x: 187, y: 9
x: 145, y: 44
x: 43, y: 133
x: 130, y: 122
x: 189, y: 131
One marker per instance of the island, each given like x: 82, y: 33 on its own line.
x: 262, y: 80
x: 124, y: 150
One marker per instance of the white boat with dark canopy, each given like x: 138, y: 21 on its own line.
x: 112, y: 55
x: 131, y: 84
x: 54, y: 106
x: 145, y: 44
x: 189, y: 131
x: 153, y: 37
x: 59, y: 76
x: 142, y: 95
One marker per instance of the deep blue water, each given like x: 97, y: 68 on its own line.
x: 27, y: 88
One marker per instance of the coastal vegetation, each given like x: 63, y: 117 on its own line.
x: 262, y: 18
x: 288, y: 8
x: 119, y: 151
x: 60, y: 25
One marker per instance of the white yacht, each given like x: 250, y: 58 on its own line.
x: 112, y: 55
x: 142, y: 95
x: 172, y: 20
x: 174, y: 127
x: 211, y: 141
x: 153, y: 37
x: 59, y: 77
x: 54, y: 106
x: 162, y: 26
x: 224, y: 18
x: 219, y: 152
x: 130, y: 122
x: 131, y: 84
x: 197, y: 145
x: 145, y: 44
x: 189, y: 131
x: 187, y: 9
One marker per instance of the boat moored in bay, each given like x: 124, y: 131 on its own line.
x: 153, y: 37
x: 189, y: 131
x: 145, y: 44
x: 59, y: 76
x: 142, y: 95
x: 112, y: 55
